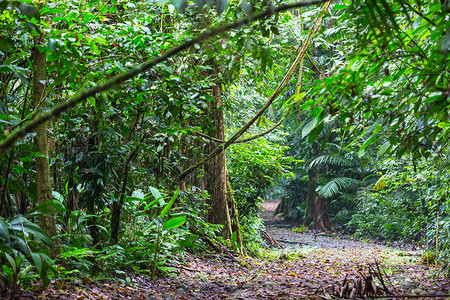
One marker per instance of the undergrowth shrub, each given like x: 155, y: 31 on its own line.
x: 150, y: 240
x: 386, y: 216
x: 413, y: 206
x: 253, y: 168
x: 251, y: 237
x: 23, y: 254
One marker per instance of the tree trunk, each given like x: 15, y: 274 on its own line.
x: 43, y: 181
x: 235, y: 226
x: 72, y: 197
x: 6, y: 208
x: 217, y: 176
x: 321, y: 220
x: 312, y: 186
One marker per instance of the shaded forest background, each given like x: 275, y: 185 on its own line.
x: 135, y: 131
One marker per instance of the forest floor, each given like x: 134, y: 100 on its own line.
x: 309, y: 266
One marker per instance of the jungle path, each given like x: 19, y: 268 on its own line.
x: 309, y: 266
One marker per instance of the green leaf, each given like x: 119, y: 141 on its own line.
x: 174, y: 223
x: 377, y: 128
x: 37, y: 260
x: 94, y: 49
x: 19, y: 169
x: 6, y: 44
x: 155, y: 193
x: 17, y: 70
x: 336, y: 185
x: 234, y: 237
x: 51, y: 44
x: 12, y: 262
x: 373, y: 138
x: 4, y: 232
x: 49, y: 207
x: 221, y: 5
x: 380, y: 184
x: 400, y: 151
x: 169, y: 205
x: 309, y: 127
x: 180, y: 5
x: 28, y: 10
x: 150, y: 204
x: 384, y: 148
x: 31, y: 228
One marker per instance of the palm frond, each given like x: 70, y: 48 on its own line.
x: 370, y: 179
x: 333, y: 160
x: 324, y: 178
x: 336, y: 185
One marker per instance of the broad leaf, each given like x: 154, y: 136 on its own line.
x: 169, y: 205
x: 37, y: 260
x: 4, y: 232
x: 174, y: 223
x: 309, y: 127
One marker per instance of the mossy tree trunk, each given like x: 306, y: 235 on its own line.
x: 235, y: 226
x: 43, y: 181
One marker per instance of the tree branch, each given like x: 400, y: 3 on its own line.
x: 42, y: 117
x: 254, y: 137
x: 275, y: 94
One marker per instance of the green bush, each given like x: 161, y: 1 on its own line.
x: 407, y: 208
x: 251, y: 237
x: 253, y: 168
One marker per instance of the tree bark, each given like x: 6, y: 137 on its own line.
x: 72, y: 197
x: 43, y: 181
x: 235, y: 226
x: 312, y: 186
x: 217, y: 172
x: 6, y: 208
x: 321, y: 220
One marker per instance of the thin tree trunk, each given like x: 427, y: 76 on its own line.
x: 117, y: 205
x: 235, y: 226
x: 43, y: 181
x: 72, y: 197
x: 217, y: 177
x: 5, y: 206
x: 312, y: 186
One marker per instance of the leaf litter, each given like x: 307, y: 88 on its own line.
x: 311, y: 266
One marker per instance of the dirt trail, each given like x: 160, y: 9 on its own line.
x: 330, y: 258
x: 308, y: 263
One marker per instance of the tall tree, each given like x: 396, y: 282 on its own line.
x: 43, y: 180
x: 217, y: 168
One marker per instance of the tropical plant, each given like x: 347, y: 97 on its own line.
x: 23, y: 244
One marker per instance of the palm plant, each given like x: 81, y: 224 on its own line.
x: 341, y: 173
